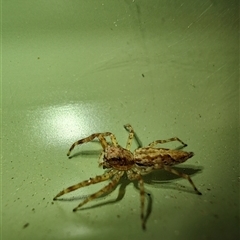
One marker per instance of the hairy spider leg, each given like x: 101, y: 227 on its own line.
x: 105, y: 189
x: 129, y: 128
x: 100, y: 159
x: 100, y: 137
x: 171, y: 170
x: 85, y: 183
x: 136, y: 176
x: 142, y: 198
x: 153, y: 144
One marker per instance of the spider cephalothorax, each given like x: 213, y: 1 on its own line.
x: 118, y: 158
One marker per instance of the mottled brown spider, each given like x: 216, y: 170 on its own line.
x: 118, y: 160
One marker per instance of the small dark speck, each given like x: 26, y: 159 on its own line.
x: 43, y: 198
x: 52, y: 203
x: 25, y: 225
x: 143, y: 75
x: 38, y: 58
x: 118, y: 216
x: 208, y: 189
x: 33, y: 209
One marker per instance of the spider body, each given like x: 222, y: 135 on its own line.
x: 163, y: 156
x: 118, y: 160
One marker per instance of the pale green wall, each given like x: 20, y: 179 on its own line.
x: 72, y: 68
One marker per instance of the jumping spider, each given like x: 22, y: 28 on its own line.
x: 118, y: 160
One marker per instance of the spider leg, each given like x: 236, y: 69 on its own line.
x: 101, y: 138
x: 142, y: 199
x: 85, y: 183
x: 129, y: 128
x: 153, y: 144
x: 136, y: 176
x: 105, y: 189
x: 132, y: 135
x: 100, y: 159
x: 169, y: 169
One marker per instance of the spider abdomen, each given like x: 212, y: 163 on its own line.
x: 161, y: 156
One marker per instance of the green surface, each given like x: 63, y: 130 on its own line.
x: 73, y: 68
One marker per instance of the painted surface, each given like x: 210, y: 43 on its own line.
x: 73, y: 68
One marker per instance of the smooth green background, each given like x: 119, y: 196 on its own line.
x: 72, y: 68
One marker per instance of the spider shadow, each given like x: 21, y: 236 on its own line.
x: 163, y: 178
x: 88, y: 153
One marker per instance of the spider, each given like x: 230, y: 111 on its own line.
x: 118, y: 160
